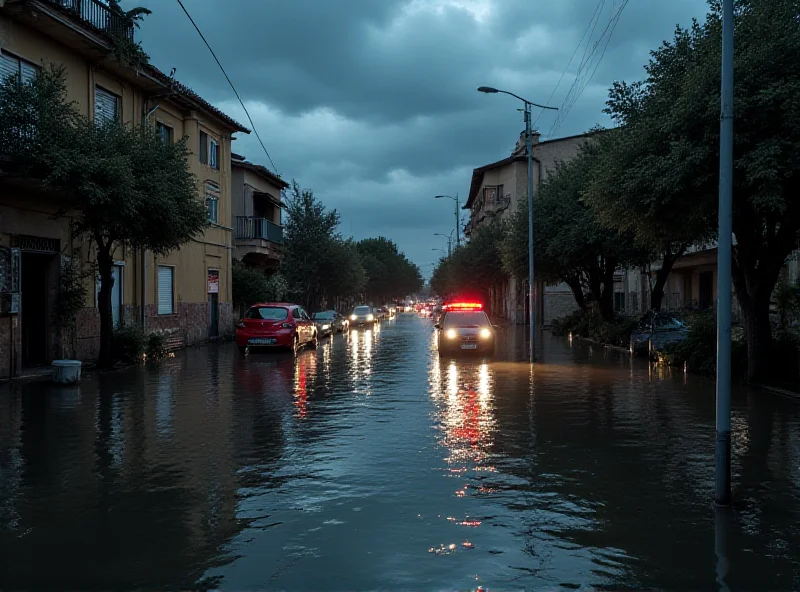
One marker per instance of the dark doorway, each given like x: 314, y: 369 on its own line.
x: 213, y: 327
x: 35, y: 310
x: 706, y: 290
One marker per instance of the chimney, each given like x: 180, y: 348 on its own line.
x: 519, y: 149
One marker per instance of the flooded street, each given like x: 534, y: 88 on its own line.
x: 371, y: 464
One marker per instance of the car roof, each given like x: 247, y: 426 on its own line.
x: 275, y: 305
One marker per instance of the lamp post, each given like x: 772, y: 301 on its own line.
x: 449, y: 241
x: 455, y: 199
x: 529, y: 149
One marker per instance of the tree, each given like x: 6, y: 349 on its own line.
x: 343, y: 269
x: 571, y: 244
x: 310, y: 236
x: 126, y: 185
x: 389, y: 273
x: 680, y: 105
x: 475, y: 267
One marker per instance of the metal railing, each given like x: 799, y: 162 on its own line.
x: 260, y: 228
x: 99, y: 15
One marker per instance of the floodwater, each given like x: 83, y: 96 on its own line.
x: 371, y: 464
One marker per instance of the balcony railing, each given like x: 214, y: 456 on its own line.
x: 248, y: 227
x: 98, y: 15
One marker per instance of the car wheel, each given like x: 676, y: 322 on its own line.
x: 242, y: 349
x: 315, y: 340
x: 295, y: 345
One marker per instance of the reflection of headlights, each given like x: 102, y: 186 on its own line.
x: 370, y: 317
x: 485, y: 333
x: 353, y: 317
x: 325, y: 327
x: 451, y: 334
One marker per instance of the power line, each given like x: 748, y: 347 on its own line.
x: 571, y: 97
x: 594, y: 20
x: 241, y: 102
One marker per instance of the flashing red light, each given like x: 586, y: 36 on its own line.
x: 464, y: 306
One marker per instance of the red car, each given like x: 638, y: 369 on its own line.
x: 275, y: 324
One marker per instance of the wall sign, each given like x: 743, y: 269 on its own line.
x: 213, y: 281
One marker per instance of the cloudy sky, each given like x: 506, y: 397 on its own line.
x: 373, y: 103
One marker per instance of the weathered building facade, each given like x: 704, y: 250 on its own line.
x: 186, y: 294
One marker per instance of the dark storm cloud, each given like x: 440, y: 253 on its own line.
x: 372, y: 103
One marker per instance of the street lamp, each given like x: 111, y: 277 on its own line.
x: 529, y: 150
x: 449, y: 241
x: 455, y: 199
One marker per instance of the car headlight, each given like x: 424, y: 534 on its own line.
x: 451, y: 333
x: 325, y: 327
x: 370, y: 317
x: 485, y: 333
x: 353, y: 317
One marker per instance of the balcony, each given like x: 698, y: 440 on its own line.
x: 258, y: 241
x: 98, y: 15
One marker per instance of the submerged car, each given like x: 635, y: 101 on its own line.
x: 329, y: 322
x: 275, y: 325
x: 464, y: 327
x: 363, y: 316
x: 655, y: 331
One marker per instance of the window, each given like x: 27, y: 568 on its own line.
x: 296, y: 313
x: 166, y: 289
x: 165, y: 132
x: 11, y: 65
x: 493, y: 194
x: 212, y: 201
x: 203, y: 148
x: 267, y: 313
x: 106, y: 105
x: 619, y: 301
x: 213, y: 154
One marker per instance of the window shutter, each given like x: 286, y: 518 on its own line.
x: 165, y: 290
x: 106, y: 105
x: 9, y: 66
x: 28, y: 71
x: 203, y: 147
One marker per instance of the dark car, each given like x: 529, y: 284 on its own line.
x: 363, y: 316
x: 464, y: 327
x: 273, y: 325
x: 655, y: 331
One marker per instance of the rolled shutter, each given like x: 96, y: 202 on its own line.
x: 9, y: 66
x: 106, y: 105
x: 165, y: 290
x: 28, y: 71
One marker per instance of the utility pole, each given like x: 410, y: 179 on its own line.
x: 458, y: 232
x: 722, y: 481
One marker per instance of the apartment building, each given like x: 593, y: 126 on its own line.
x: 186, y: 294
x: 496, y: 190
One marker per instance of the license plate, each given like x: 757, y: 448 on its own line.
x: 261, y: 341
x: 469, y: 346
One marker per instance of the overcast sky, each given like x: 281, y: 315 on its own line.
x: 373, y: 103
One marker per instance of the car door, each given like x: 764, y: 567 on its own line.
x: 308, y: 325
x: 297, y: 317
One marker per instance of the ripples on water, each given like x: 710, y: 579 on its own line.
x: 373, y: 464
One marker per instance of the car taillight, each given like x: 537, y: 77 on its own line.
x: 241, y: 325
x: 287, y: 325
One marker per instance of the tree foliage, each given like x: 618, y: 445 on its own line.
x: 673, y: 118
x: 251, y: 285
x: 475, y: 267
x: 570, y: 242
x: 389, y: 273
x: 126, y: 186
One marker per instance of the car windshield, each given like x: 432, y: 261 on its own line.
x: 466, y: 319
x: 323, y: 316
x: 666, y: 322
x: 267, y: 313
x: 361, y: 310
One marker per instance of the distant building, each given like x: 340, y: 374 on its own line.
x: 495, y: 193
x: 186, y: 295
x: 257, y: 205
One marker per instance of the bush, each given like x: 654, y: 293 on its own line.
x: 128, y: 345
x: 155, y: 347
x: 590, y: 324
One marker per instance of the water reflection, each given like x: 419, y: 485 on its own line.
x: 370, y: 463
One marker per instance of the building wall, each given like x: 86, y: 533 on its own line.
x: 24, y: 210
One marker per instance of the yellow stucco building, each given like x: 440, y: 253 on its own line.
x: 187, y: 294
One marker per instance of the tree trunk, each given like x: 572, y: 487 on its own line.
x: 577, y: 291
x: 607, y: 296
x: 105, y: 268
x: 759, y: 338
x: 668, y: 259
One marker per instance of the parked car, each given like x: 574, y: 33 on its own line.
x: 656, y: 329
x: 272, y: 325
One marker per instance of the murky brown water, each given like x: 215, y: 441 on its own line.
x: 369, y: 464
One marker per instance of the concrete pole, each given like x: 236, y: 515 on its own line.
x: 722, y: 481
x: 531, y: 285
